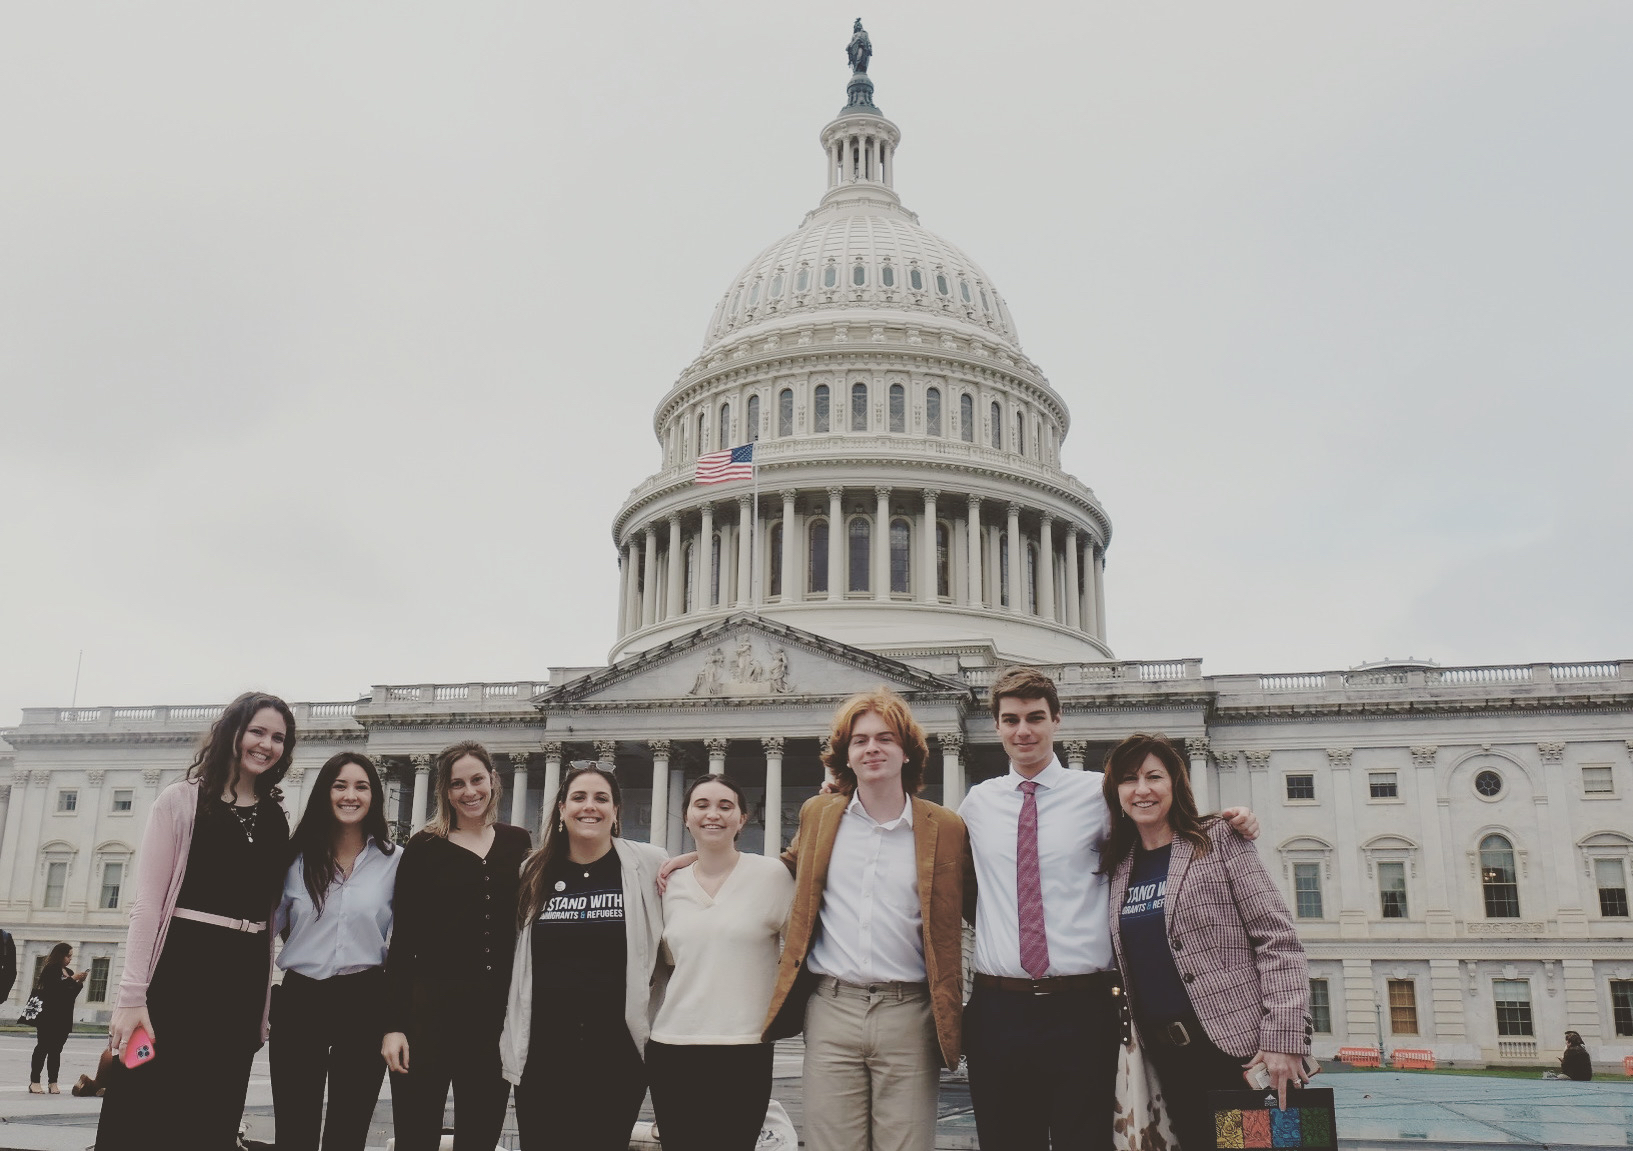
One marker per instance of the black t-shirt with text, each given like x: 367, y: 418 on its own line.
x: 579, y: 947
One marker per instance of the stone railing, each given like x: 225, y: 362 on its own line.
x: 1495, y: 675
x: 1070, y: 675
x: 455, y: 696
x: 166, y: 716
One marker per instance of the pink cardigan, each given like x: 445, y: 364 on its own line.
x: 160, y: 868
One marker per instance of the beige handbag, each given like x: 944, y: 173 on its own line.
x: 1140, y: 1121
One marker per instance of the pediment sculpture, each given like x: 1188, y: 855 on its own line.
x: 743, y: 673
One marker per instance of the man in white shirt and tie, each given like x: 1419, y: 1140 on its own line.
x: 1041, y: 1028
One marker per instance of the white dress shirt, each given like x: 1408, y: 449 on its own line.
x: 352, y: 932
x: 872, y: 924
x: 1072, y: 826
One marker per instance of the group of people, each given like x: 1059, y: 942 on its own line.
x: 587, y: 971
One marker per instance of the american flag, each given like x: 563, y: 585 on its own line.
x: 731, y: 464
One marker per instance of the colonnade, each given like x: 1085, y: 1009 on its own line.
x: 1012, y: 558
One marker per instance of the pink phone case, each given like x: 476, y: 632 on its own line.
x: 138, y: 1048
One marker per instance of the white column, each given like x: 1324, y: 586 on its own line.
x: 717, y: 755
x: 649, y: 580
x: 881, y: 544
x: 1074, y: 600
x: 837, y: 541
x: 972, y: 539
x: 1077, y: 754
x: 14, y: 818
x: 552, y: 784
x: 422, y: 790
x: 745, y: 520
x: 773, y: 745
x: 677, y: 569
x: 703, y: 597
x: 728, y: 566
x: 927, y: 568
x: 789, y: 536
x: 1089, y: 619
x: 1100, y: 594
x: 660, y: 791
x: 632, y: 594
x: 1046, y: 568
x: 1017, y: 593
x: 952, y: 770
x: 1201, y: 786
x: 518, y: 788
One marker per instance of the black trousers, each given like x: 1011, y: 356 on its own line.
x: 709, y: 1097
x: 1187, y: 1074
x: 461, y: 1052
x: 327, y: 1032
x: 1043, y: 1068
x: 48, y: 1041
x: 581, y: 1089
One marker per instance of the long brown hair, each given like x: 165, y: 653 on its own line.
x: 216, y: 766
x: 443, y: 822
x: 1123, y: 762
x: 554, y: 844
x: 55, y: 967
x: 313, y: 841
x: 891, y: 708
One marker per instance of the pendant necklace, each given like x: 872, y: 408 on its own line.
x: 246, y: 818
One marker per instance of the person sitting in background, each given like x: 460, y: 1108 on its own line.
x: 1576, y: 1063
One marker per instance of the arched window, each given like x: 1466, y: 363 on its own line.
x: 941, y: 286
x: 966, y: 418
x: 898, y: 408
x: 754, y: 294
x: 785, y: 412
x: 776, y: 287
x: 819, y: 410
x: 860, y: 554
x: 859, y: 274
x: 803, y: 280
x: 887, y: 275
x: 997, y: 426
x: 859, y: 407
x: 943, y: 560
x: 1032, y: 579
x: 1499, y: 878
x: 985, y: 307
x: 753, y: 428
x: 963, y: 290
x: 714, y: 571
x: 1020, y: 432
x: 702, y: 431
x: 932, y: 411
x: 817, y: 577
x: 916, y: 279
x: 736, y: 298
x: 901, y: 556
x: 725, y: 427
x: 830, y: 276
x: 1003, y: 569
x: 774, y: 556
x: 691, y: 578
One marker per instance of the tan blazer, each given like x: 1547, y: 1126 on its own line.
x: 942, y: 846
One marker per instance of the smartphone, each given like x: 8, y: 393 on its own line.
x: 138, y: 1048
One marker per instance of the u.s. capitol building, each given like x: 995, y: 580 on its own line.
x: 1455, y: 841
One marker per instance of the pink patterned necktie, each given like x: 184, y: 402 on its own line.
x: 1029, y: 886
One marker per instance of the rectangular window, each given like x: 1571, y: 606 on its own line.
x: 1392, y: 889
x: 1403, y: 1007
x: 1307, y: 889
x: 1383, y: 785
x: 39, y: 966
x: 124, y: 799
x: 1320, y: 1007
x: 1597, y: 779
x: 67, y: 800
x: 96, y: 987
x: 1301, y: 787
x: 1621, y: 1005
x: 56, y: 880
x: 1513, y: 999
x: 1611, y: 876
x: 113, y: 877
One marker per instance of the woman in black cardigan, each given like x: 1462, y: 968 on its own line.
x: 58, y: 988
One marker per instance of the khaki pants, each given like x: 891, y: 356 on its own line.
x: 872, y: 1068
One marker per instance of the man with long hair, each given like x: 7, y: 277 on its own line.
x: 871, y: 964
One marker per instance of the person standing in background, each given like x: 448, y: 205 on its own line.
x: 328, y: 1014
x: 57, y: 988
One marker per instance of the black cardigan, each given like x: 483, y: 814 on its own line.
x: 57, y: 998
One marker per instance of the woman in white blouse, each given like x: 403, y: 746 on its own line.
x: 722, y: 920
x: 335, y: 917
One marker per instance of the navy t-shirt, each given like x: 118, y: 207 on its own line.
x: 1158, y: 993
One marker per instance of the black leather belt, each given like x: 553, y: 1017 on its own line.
x: 1102, y: 979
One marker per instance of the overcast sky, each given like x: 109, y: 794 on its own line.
x: 330, y: 334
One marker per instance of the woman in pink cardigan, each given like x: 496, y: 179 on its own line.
x: 198, y: 959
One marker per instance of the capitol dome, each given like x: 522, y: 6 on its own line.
x: 907, y: 496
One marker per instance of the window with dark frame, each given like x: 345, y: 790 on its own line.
x: 1383, y: 785
x: 1301, y: 787
x: 1513, y: 1000
x: 1610, y: 876
x: 113, y: 878
x: 67, y: 800
x: 96, y: 986
x: 1403, y: 1007
x: 1621, y: 1005
x: 1320, y: 1007
x: 124, y: 799
x: 1392, y: 889
x: 1498, y: 878
x: 1307, y: 890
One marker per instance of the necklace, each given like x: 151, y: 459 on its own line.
x: 246, y: 818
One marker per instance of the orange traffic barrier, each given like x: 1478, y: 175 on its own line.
x: 1412, y: 1058
x: 1360, y: 1056
x: 1627, y: 1066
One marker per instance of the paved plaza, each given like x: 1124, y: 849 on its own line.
x: 1387, y: 1110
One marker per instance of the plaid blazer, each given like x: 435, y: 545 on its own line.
x: 1233, y: 943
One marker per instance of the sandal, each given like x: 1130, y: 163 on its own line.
x: 54, y: 1089
x: 35, y: 1089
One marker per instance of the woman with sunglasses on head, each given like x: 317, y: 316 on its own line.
x: 329, y: 1013
x: 722, y: 923
x: 581, y: 987
x: 1214, y: 971
x: 449, y: 965
x: 198, y: 958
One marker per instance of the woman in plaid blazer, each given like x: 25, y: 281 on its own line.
x: 1213, y: 968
